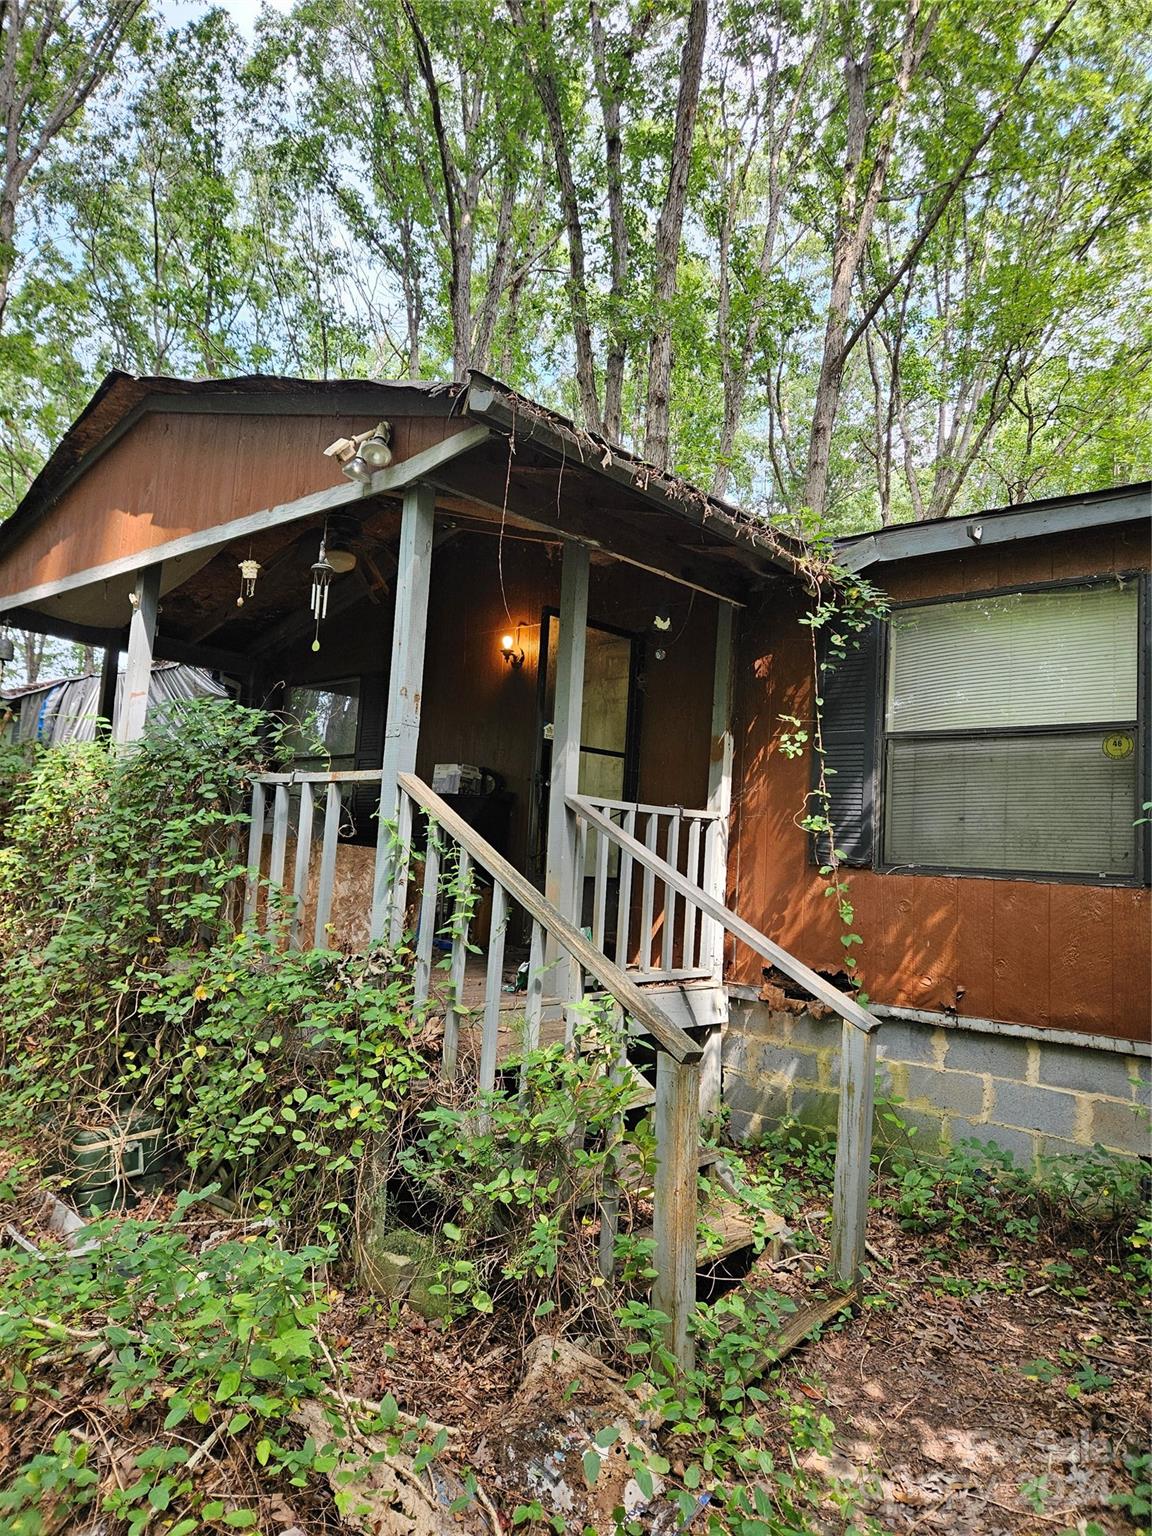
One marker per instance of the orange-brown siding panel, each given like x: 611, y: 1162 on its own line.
x: 1064, y: 955
x: 1083, y: 962
x: 173, y: 474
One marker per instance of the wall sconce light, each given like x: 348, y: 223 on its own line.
x: 511, y: 649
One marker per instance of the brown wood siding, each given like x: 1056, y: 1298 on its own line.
x: 176, y: 473
x: 1063, y: 955
x: 476, y: 709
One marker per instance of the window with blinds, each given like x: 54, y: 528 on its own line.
x: 1012, y: 731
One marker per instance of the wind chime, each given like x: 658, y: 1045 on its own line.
x: 322, y: 574
x: 249, y: 570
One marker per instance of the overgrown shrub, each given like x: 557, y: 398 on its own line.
x: 114, y: 868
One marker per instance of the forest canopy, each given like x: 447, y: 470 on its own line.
x: 870, y: 260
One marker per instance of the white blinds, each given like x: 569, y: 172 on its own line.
x: 1051, y: 803
x: 1027, y: 658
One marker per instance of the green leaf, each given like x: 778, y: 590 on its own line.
x: 591, y: 1467
x: 229, y: 1386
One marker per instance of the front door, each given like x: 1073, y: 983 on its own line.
x: 610, y: 728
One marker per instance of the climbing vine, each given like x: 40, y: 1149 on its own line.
x: 842, y: 606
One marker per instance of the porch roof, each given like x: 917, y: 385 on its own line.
x: 503, y: 457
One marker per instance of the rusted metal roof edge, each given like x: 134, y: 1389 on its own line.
x: 495, y: 403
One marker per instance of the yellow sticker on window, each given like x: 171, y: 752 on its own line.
x: 1118, y: 745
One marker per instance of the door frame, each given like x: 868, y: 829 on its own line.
x: 541, y: 768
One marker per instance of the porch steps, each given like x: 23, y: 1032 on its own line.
x: 726, y: 1229
x: 726, y: 1225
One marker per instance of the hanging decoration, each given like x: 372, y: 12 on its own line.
x: 249, y: 570
x: 7, y: 650
x: 322, y: 574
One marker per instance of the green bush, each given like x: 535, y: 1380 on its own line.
x: 166, y: 1334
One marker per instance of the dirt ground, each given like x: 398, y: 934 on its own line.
x: 1006, y: 1411
x: 974, y: 1391
x: 943, y: 1424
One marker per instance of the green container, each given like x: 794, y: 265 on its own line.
x: 112, y: 1165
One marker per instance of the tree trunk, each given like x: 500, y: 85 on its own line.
x: 855, y: 217
x: 38, y: 98
x: 616, y: 350
x: 547, y: 89
x: 668, y: 231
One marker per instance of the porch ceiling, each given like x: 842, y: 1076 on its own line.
x: 521, y: 484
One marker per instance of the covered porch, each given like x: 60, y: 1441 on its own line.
x: 506, y: 595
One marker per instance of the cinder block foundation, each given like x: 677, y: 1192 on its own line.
x: 1032, y: 1097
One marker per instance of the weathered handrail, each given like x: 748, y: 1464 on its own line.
x: 819, y: 988
x: 678, y: 1055
x: 677, y: 1109
x: 635, y: 1003
x: 857, y: 1051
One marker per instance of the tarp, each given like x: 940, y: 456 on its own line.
x: 65, y: 710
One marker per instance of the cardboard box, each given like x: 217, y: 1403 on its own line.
x: 456, y: 779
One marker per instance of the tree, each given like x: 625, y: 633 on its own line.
x: 161, y: 203
x: 669, y: 227
x: 427, y: 147
x: 54, y: 57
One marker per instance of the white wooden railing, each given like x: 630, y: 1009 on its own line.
x: 295, y: 888
x: 676, y: 909
x: 454, y: 848
x: 651, y: 932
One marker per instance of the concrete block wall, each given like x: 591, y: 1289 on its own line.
x: 1033, y: 1097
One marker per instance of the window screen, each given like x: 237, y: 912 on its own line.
x: 1028, y: 658
x: 1012, y: 732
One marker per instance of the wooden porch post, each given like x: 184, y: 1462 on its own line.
x: 138, y: 672
x: 676, y: 1200
x: 716, y: 852
x: 106, y: 697
x: 562, y: 879
x: 853, y: 1151
x: 405, y: 685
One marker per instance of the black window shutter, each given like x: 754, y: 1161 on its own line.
x: 850, y: 688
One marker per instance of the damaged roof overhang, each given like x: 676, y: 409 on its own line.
x: 764, y: 550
